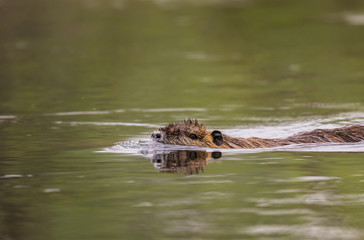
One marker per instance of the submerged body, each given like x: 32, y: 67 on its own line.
x: 192, y: 133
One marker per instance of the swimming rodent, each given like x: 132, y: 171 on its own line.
x: 192, y: 133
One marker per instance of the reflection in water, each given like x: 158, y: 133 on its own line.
x: 182, y: 161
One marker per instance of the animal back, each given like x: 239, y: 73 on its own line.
x: 346, y: 134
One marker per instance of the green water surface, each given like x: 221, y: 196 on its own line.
x: 72, y: 71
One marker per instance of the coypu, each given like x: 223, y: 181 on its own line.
x: 191, y: 133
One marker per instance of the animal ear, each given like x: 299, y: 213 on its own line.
x: 217, y: 137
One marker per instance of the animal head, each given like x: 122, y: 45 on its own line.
x: 189, y: 133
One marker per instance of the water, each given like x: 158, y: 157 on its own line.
x: 83, y: 84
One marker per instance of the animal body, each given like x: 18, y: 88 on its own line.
x: 192, y: 133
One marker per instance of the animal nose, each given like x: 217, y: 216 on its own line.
x: 157, y: 135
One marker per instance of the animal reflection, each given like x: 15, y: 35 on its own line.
x: 183, y: 161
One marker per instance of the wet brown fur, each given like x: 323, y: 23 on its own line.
x: 178, y: 133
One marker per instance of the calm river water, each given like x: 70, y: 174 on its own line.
x: 84, y: 83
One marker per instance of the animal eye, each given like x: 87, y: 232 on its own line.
x: 193, y: 136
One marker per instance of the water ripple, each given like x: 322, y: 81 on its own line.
x: 307, y: 231
x: 15, y: 176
